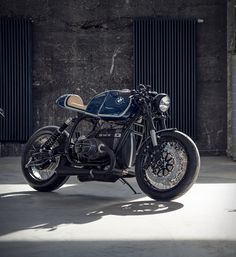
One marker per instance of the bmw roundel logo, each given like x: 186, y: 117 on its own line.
x: 120, y: 100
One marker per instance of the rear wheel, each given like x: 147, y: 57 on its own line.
x: 170, y: 170
x: 42, y: 176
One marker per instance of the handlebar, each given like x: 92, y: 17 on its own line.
x: 143, y: 92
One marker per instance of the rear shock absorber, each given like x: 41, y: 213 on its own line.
x: 56, y: 135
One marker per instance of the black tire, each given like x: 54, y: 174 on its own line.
x: 53, y: 182
x: 192, y: 167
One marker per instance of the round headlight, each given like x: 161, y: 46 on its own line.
x: 164, y: 103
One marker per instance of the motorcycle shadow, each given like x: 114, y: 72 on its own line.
x: 141, y: 208
x: 34, y: 210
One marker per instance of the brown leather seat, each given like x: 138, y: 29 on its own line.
x: 75, y: 101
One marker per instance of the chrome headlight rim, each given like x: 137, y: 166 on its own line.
x: 162, y: 102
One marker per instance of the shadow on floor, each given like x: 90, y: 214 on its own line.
x: 30, y: 209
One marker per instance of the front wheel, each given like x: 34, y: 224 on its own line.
x: 169, y: 170
x: 42, y: 177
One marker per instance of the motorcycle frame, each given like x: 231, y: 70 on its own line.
x: 80, y: 117
x: 147, y: 127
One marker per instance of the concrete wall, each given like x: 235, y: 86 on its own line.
x: 76, y: 42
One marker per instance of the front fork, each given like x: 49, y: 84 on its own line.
x: 153, y: 137
x: 152, y: 127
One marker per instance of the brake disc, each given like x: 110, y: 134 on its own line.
x: 169, y: 168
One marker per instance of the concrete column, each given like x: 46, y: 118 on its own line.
x: 231, y: 103
x: 234, y: 107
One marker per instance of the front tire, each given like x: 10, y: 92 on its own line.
x: 42, y: 178
x: 169, y: 171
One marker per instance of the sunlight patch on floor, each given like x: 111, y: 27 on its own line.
x: 206, y: 212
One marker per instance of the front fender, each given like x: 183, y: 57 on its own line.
x: 175, y: 133
x: 159, y: 132
x: 166, y: 130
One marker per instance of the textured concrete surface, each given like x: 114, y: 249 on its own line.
x: 101, y: 219
x: 231, y: 49
x: 85, y: 47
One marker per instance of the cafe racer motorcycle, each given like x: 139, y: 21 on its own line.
x: 116, y: 131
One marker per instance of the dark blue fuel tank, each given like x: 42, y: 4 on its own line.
x: 109, y: 105
x: 112, y: 105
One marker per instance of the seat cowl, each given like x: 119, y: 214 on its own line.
x: 75, y: 101
x: 71, y: 101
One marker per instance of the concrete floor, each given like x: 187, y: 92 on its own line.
x: 103, y: 219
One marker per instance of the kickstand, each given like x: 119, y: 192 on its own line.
x: 125, y: 182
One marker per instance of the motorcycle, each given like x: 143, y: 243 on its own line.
x: 119, y: 134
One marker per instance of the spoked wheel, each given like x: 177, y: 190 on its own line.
x: 41, y: 173
x: 169, y: 170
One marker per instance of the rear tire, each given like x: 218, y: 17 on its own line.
x: 44, y: 178
x: 175, y: 172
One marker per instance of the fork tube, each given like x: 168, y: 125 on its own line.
x: 151, y: 127
x: 153, y: 137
